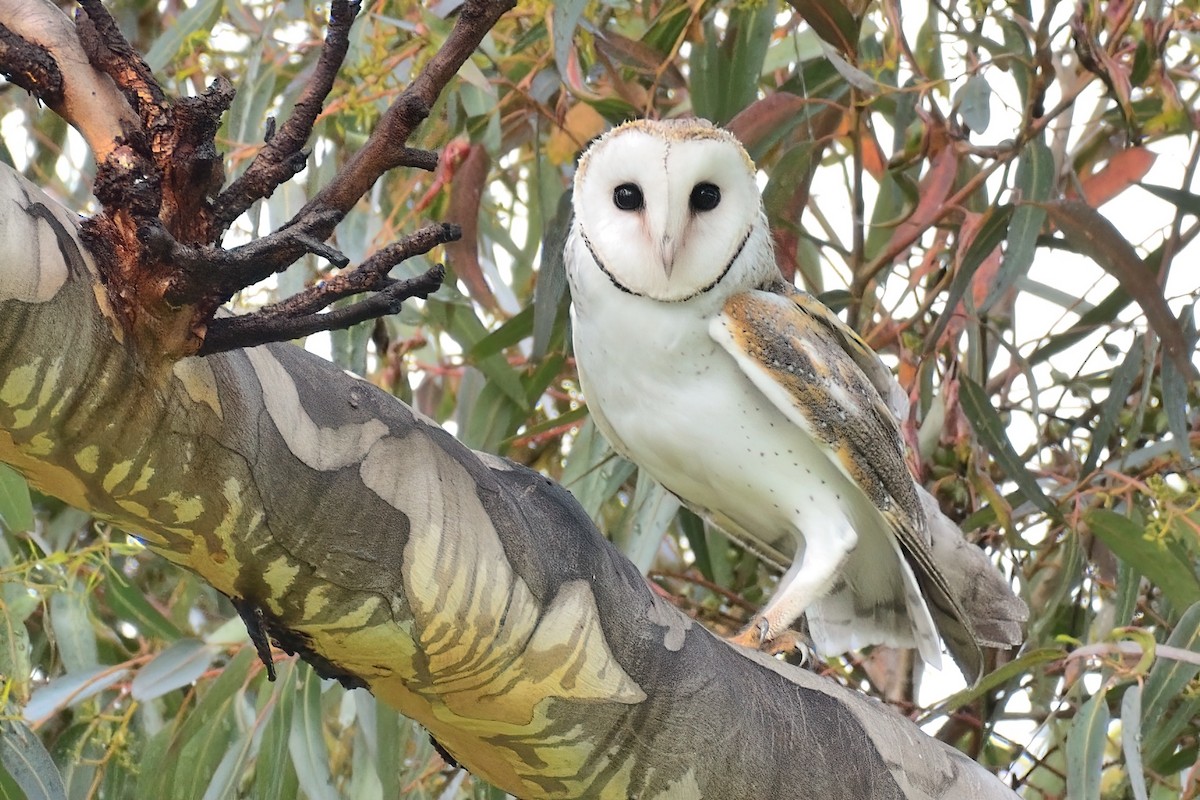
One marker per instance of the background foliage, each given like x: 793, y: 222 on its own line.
x: 933, y: 171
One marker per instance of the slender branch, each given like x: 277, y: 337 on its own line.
x: 386, y: 149
x: 368, y: 276
x: 250, y: 330
x: 283, y: 156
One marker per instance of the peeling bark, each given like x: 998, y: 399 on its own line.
x: 464, y: 590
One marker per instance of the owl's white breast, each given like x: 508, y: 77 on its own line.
x: 673, y: 401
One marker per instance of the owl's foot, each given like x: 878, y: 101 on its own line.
x: 755, y: 636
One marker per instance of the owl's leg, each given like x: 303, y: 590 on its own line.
x: 810, y: 577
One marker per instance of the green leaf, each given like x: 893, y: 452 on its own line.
x: 1152, y: 558
x: 68, y: 691
x: 130, y: 605
x: 1035, y: 179
x: 832, y: 21
x: 16, y: 508
x: 974, y: 102
x: 246, y: 119
x: 71, y: 623
x: 987, y: 424
x: 592, y: 471
x: 726, y: 70
x: 649, y: 514
x: 990, y: 234
x: 1085, y: 747
x: 1025, y: 664
x: 186, y: 754
x: 1131, y: 740
x: 274, y: 776
x: 306, y: 741
x: 228, y: 773
x: 199, y: 18
x: 15, y: 646
x: 348, y: 346
x: 567, y: 418
x: 1096, y: 318
x: 1091, y: 233
x: 1165, y: 685
x: 486, y: 415
x: 565, y: 18
x: 693, y: 530
x: 1184, y: 200
x: 514, y: 330
x: 181, y: 664
x: 852, y: 74
x: 28, y: 763
x: 550, y: 292
x: 1109, y: 416
x: 1175, y: 389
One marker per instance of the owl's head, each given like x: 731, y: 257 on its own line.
x: 668, y: 209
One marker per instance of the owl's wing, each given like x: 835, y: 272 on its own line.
x: 825, y: 379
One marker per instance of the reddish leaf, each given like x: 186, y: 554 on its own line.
x: 935, y: 187
x: 1123, y: 170
x: 832, y: 21
x: 874, y: 161
x: 466, y: 189
x: 763, y: 119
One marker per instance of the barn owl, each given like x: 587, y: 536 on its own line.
x: 756, y: 406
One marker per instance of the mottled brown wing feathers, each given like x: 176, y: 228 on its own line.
x: 834, y: 386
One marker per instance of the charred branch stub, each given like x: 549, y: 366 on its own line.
x: 255, y: 619
x: 266, y: 629
x: 30, y: 67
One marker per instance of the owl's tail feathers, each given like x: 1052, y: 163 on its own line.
x: 995, y: 613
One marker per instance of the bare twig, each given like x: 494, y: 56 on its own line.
x: 229, y: 333
x: 283, y: 155
x: 368, y: 276
x: 386, y: 148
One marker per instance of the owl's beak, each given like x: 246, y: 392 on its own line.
x: 666, y: 255
x: 670, y: 231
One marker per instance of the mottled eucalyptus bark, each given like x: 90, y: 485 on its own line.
x: 468, y: 592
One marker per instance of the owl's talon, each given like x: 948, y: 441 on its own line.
x: 752, y: 636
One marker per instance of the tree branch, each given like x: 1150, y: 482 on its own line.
x: 468, y: 592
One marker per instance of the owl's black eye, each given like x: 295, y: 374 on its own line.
x: 628, y: 197
x: 705, y: 197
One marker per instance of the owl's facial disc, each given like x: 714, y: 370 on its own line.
x: 666, y: 216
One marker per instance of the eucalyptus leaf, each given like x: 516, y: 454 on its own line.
x: 1174, y: 575
x: 1131, y: 740
x: 1086, y: 743
x: 74, y: 634
x: 16, y: 508
x: 25, y: 759
x: 306, y: 741
x: 987, y: 425
x: 181, y: 664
